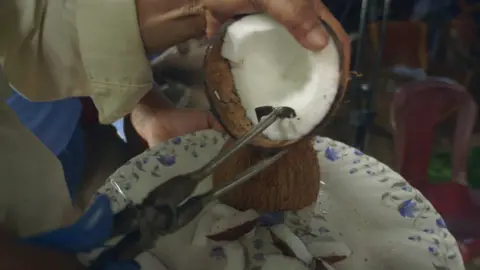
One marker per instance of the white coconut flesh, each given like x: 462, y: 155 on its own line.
x: 270, y: 68
x: 293, y: 242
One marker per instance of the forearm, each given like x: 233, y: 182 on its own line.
x: 144, y: 114
x: 186, y: 17
x: 16, y: 256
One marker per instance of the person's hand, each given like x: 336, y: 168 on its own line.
x: 189, y: 19
x: 170, y: 123
x: 300, y: 17
x: 156, y: 119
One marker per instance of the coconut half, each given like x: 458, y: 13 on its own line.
x: 257, y: 63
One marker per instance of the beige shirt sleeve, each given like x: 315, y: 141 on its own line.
x: 62, y: 48
x: 51, y: 50
x: 33, y: 193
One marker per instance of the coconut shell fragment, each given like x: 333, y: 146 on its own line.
x: 234, y: 227
x: 234, y: 233
x: 226, y: 103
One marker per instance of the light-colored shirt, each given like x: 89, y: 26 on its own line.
x: 53, y: 50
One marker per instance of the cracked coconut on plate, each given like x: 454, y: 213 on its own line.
x: 256, y: 63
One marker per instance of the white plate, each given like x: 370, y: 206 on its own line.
x: 365, y: 211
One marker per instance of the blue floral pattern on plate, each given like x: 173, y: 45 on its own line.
x: 343, y: 211
x: 395, y: 199
x: 148, y: 170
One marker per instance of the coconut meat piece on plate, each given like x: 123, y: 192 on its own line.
x: 270, y: 68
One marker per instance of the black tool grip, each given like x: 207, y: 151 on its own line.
x: 155, y: 221
x: 126, y: 250
x: 189, y: 210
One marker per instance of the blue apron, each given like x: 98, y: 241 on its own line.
x: 56, y: 124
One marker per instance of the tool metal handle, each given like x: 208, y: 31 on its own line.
x: 246, y: 175
x: 252, y: 133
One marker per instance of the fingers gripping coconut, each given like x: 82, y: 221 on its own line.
x: 256, y: 63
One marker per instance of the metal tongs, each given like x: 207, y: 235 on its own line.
x: 171, y: 206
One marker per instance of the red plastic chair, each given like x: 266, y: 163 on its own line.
x: 416, y: 109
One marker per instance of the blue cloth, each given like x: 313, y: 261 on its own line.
x: 272, y: 218
x: 437, y: 13
x: 424, y: 7
x: 89, y: 232
x: 73, y: 159
x: 52, y: 122
x: 119, y: 127
x: 57, y: 125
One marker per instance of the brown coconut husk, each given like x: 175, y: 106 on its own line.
x: 291, y: 183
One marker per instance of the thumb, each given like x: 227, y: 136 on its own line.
x: 299, y: 18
